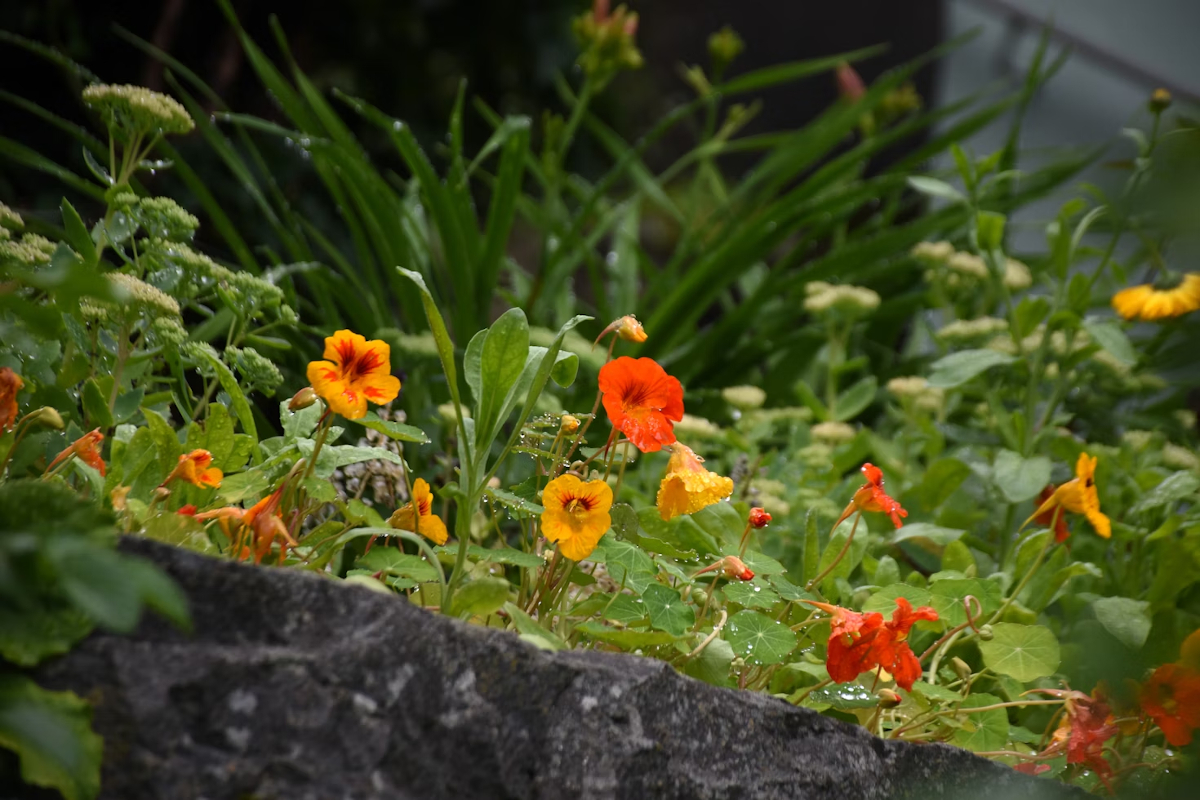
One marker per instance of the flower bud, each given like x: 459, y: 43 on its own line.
x: 734, y: 567
x: 888, y: 698
x: 302, y: 399
x: 961, y: 668
x: 118, y: 496
x: 986, y: 633
x: 493, y: 482
x: 1160, y: 101
x: 569, y: 423
x: 629, y: 329
x: 47, y: 417
x: 759, y: 518
x: 161, y: 493
x: 723, y: 47
x: 850, y: 85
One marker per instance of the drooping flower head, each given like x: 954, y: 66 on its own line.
x: 872, y: 497
x: 1148, y: 302
x: 859, y: 643
x: 576, y: 514
x: 195, y: 468
x: 87, y: 449
x: 731, y: 567
x: 1171, y: 697
x: 1087, y: 726
x: 627, y: 328
x: 759, y: 518
x: 10, y: 384
x: 263, y: 521
x: 1049, y: 517
x: 688, y: 486
x: 427, y: 523
x: 642, y: 401
x: 356, y: 370
x: 1078, y: 496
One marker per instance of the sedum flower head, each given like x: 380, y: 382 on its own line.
x: 815, y: 455
x: 168, y: 331
x: 823, y: 298
x: 968, y: 264
x: 933, y: 252
x: 142, y: 295
x: 1137, y: 440
x: 1178, y: 457
x: 916, y: 390
x: 745, y: 398
x: 697, y: 427
x: 1017, y: 275
x: 10, y: 219
x: 607, y: 41
x: 833, y: 432
x: 1185, y: 417
x: 417, y: 345
x: 786, y: 414
x: 258, y: 371
x: 163, y: 218
x: 971, y: 329
x: 137, y: 110
x: 30, y: 250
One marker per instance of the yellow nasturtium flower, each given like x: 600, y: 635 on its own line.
x: 427, y: 523
x: 576, y: 514
x: 1147, y: 302
x: 356, y: 370
x: 1079, y: 497
x: 688, y: 486
x: 195, y: 468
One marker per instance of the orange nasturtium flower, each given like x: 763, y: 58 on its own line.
x: 427, y: 523
x: 642, y: 401
x: 356, y: 371
x: 576, y: 514
x: 263, y: 521
x: 1149, y: 302
x: 1078, y: 496
x: 859, y: 643
x: 688, y: 486
x: 872, y: 497
x: 87, y: 449
x: 10, y: 384
x: 1171, y: 697
x: 194, y: 468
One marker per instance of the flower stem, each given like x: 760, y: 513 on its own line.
x: 845, y: 549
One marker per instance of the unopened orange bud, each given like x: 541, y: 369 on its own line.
x: 734, y: 567
x: 627, y: 327
x: 888, y: 698
x: 759, y: 518
x: 302, y: 399
x: 569, y: 423
x: 849, y: 84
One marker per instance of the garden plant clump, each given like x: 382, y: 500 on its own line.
x: 838, y: 443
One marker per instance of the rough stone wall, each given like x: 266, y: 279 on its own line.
x: 294, y: 687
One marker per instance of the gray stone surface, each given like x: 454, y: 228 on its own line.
x: 293, y: 687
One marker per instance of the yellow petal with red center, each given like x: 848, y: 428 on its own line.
x: 379, y: 388
x: 211, y: 477
x: 576, y: 514
x: 326, y: 379
x: 402, y: 518
x: 343, y: 347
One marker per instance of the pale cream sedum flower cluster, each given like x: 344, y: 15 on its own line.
x: 957, y: 268
x: 136, y: 109
x: 823, y: 298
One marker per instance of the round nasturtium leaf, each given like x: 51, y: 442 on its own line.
x: 667, y: 610
x: 984, y: 731
x: 1025, y: 652
x: 759, y: 639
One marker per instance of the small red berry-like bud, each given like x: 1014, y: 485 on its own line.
x: 850, y: 85
x: 759, y: 518
x: 734, y: 567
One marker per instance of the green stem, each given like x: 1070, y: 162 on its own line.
x: 841, y: 554
x: 462, y: 530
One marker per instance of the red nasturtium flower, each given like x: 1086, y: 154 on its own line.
x: 859, y: 643
x: 1171, y: 697
x: 194, y: 468
x: 759, y: 518
x: 10, y: 384
x: 872, y: 497
x: 356, y: 371
x: 187, y: 511
x: 1089, y: 724
x: 1048, y: 518
x: 87, y: 449
x: 427, y: 523
x: 642, y: 400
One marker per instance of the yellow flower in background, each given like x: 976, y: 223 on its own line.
x: 1079, y: 497
x: 688, y: 486
x: 1147, y: 302
x: 576, y: 514
x: 356, y: 370
x: 194, y: 468
x: 427, y: 523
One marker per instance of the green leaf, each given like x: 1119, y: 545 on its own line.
x: 668, y: 612
x: 240, y: 405
x: 935, y: 188
x: 948, y: 597
x: 394, y: 561
x: 958, y: 368
x: 884, y: 601
x: 243, y: 486
x: 95, y: 405
x: 788, y: 590
x: 627, y: 563
x: 623, y: 637
x: 848, y: 697
x: 957, y: 556
x: 1020, y: 479
x: 1108, y: 334
x: 496, y: 555
x: 712, y: 665
x: 157, y: 591
x: 941, y: 480
x: 990, y: 230
x: 481, y: 597
x: 97, y: 582
x: 1128, y: 620
x: 396, y: 431
x: 927, y: 532
x: 1176, y: 487
x: 166, y: 442
x: 528, y: 627
x: 759, y: 639
x: 1029, y: 313
x: 854, y: 400
x: 751, y: 594
x: 986, y: 730
x: 29, y: 636
x: 77, y: 233
x: 1025, y: 652
x: 854, y: 553
x: 501, y: 361
x: 518, y: 504
x: 681, y: 537
x: 51, y: 733
x: 934, y: 692
x: 299, y: 424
